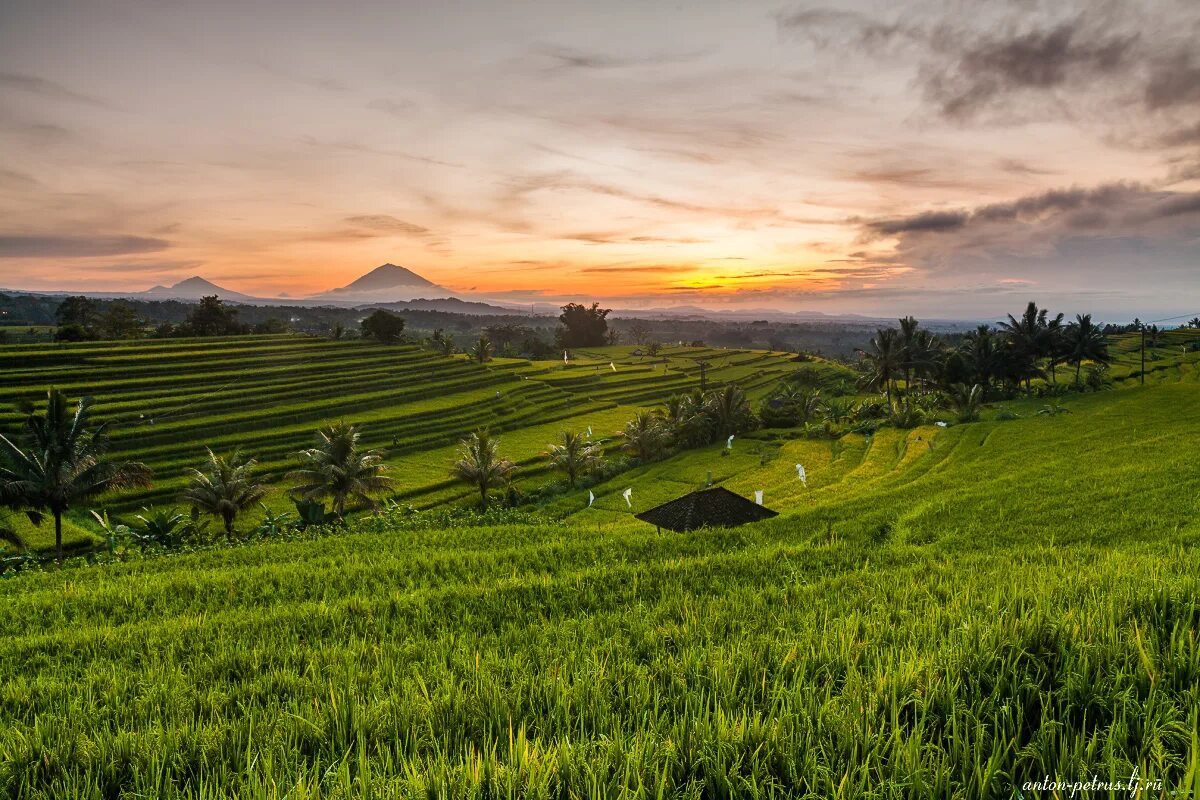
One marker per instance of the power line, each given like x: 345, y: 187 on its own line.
x: 1142, y: 327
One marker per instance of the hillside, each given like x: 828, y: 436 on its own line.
x: 169, y: 399
x: 942, y: 612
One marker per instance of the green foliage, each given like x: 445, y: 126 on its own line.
x: 645, y: 436
x: 58, y: 461
x: 310, y: 513
x: 583, y: 326
x: 574, y: 455
x: 211, y: 317
x: 225, y: 487
x: 383, y: 326
x: 480, y: 465
x: 482, y: 350
x: 966, y: 401
x: 338, y: 468
x: 1007, y: 604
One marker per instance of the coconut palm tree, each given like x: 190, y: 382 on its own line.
x: 483, y: 350
x: 644, y: 436
x: 910, y: 350
x: 966, y: 400
x: 1085, y: 342
x: 983, y: 356
x: 58, y: 461
x: 1027, y: 340
x: 479, y: 463
x: 1054, y: 345
x: 224, y: 488
x: 338, y: 468
x: 885, y: 362
x: 729, y: 410
x: 574, y: 455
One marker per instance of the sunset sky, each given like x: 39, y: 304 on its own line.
x: 946, y: 159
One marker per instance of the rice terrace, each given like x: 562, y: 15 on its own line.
x: 752, y: 401
x: 940, y: 605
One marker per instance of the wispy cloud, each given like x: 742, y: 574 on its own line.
x: 21, y: 246
x: 43, y: 87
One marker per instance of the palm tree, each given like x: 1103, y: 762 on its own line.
x: 58, y: 461
x: 1085, y: 342
x: 480, y: 464
x: 482, y: 351
x: 910, y: 350
x: 983, y: 356
x: 965, y: 400
x: 1194, y: 322
x: 684, y: 420
x: 1054, y: 345
x: 1027, y: 342
x: 224, y: 488
x: 885, y: 360
x: 644, y: 436
x: 339, y: 469
x: 730, y: 410
x: 574, y: 455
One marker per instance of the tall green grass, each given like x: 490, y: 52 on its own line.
x: 1016, y: 600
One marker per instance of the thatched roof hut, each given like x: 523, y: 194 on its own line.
x: 717, y: 508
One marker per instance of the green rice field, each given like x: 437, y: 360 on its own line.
x: 941, y: 612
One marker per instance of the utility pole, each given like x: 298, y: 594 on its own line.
x: 1143, y: 326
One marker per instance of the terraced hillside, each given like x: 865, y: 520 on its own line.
x: 940, y: 613
x: 170, y: 399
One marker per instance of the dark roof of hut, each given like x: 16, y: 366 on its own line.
x: 717, y: 508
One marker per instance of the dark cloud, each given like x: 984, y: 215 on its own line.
x: 1126, y: 204
x: 47, y: 88
x: 18, y: 246
x: 1127, y: 235
x: 984, y: 71
x: 1174, y: 81
x: 928, y: 221
x: 1181, y: 137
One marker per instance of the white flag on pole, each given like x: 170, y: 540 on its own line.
x: 589, y: 431
x: 729, y: 442
x: 758, y: 494
x: 614, y: 366
x: 802, y: 475
x: 627, y: 494
x: 564, y: 356
x: 591, y: 498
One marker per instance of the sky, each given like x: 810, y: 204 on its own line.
x: 948, y: 159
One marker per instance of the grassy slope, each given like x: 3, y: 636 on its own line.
x: 267, y: 394
x: 1019, y: 600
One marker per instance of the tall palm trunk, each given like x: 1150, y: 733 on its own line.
x: 1078, y: 365
x: 483, y: 498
